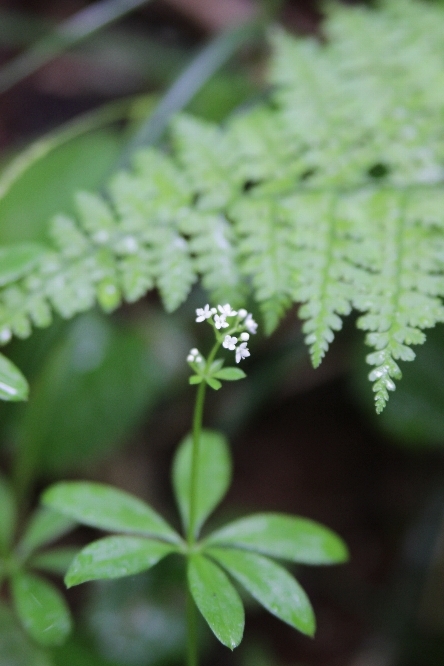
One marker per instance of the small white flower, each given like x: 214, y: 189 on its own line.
x: 198, y: 359
x: 203, y: 313
x: 219, y: 321
x: 229, y: 343
x: 193, y: 355
x: 242, y: 313
x: 244, y: 337
x: 213, y: 310
x: 250, y: 324
x: 226, y: 310
x: 242, y: 352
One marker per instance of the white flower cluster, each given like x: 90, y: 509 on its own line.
x: 194, y: 356
x: 220, y: 315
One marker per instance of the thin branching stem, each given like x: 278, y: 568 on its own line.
x: 192, y: 656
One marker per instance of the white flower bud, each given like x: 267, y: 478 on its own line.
x: 244, y: 337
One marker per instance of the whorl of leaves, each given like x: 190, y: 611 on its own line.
x: 329, y: 195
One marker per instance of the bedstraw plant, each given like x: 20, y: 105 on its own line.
x: 244, y: 550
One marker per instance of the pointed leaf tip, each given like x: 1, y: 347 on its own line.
x: 271, y: 585
x: 217, y: 600
x: 283, y: 536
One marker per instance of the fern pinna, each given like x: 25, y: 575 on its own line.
x: 330, y: 195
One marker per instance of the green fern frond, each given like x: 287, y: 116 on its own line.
x: 329, y: 195
x: 266, y: 254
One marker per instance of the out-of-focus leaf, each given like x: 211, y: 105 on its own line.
x: 16, y: 649
x: 16, y: 260
x: 217, y: 600
x: 230, y: 374
x: 213, y: 475
x: 288, y: 537
x: 214, y: 383
x: 271, y: 585
x: 55, y: 561
x: 8, y: 513
x: 94, y: 388
x: 115, y: 557
x: 44, y: 527
x: 41, y: 608
x: 46, y: 188
x: 140, y: 620
x: 107, y: 508
x: 13, y: 385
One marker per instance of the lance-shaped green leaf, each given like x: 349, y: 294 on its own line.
x: 287, y: 537
x: 13, y: 385
x: 44, y: 527
x: 107, y: 508
x: 17, y: 260
x: 230, y: 374
x: 41, y: 608
x: 271, y: 585
x: 217, y: 600
x: 54, y: 561
x: 115, y: 557
x: 8, y: 511
x: 215, y: 384
x: 213, y: 475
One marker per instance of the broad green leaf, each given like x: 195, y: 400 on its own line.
x: 46, y: 187
x: 13, y: 385
x: 230, y: 374
x: 41, y: 608
x: 8, y: 514
x: 98, y: 381
x: 213, y: 475
x: 195, y: 379
x: 214, y: 383
x: 139, y: 620
x: 288, y: 537
x: 217, y: 600
x: 55, y: 561
x: 115, y: 557
x: 107, y: 508
x: 44, y: 527
x: 271, y: 585
x: 16, y: 260
x: 16, y: 648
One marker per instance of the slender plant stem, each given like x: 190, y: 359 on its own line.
x: 197, y: 430
x: 192, y: 655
